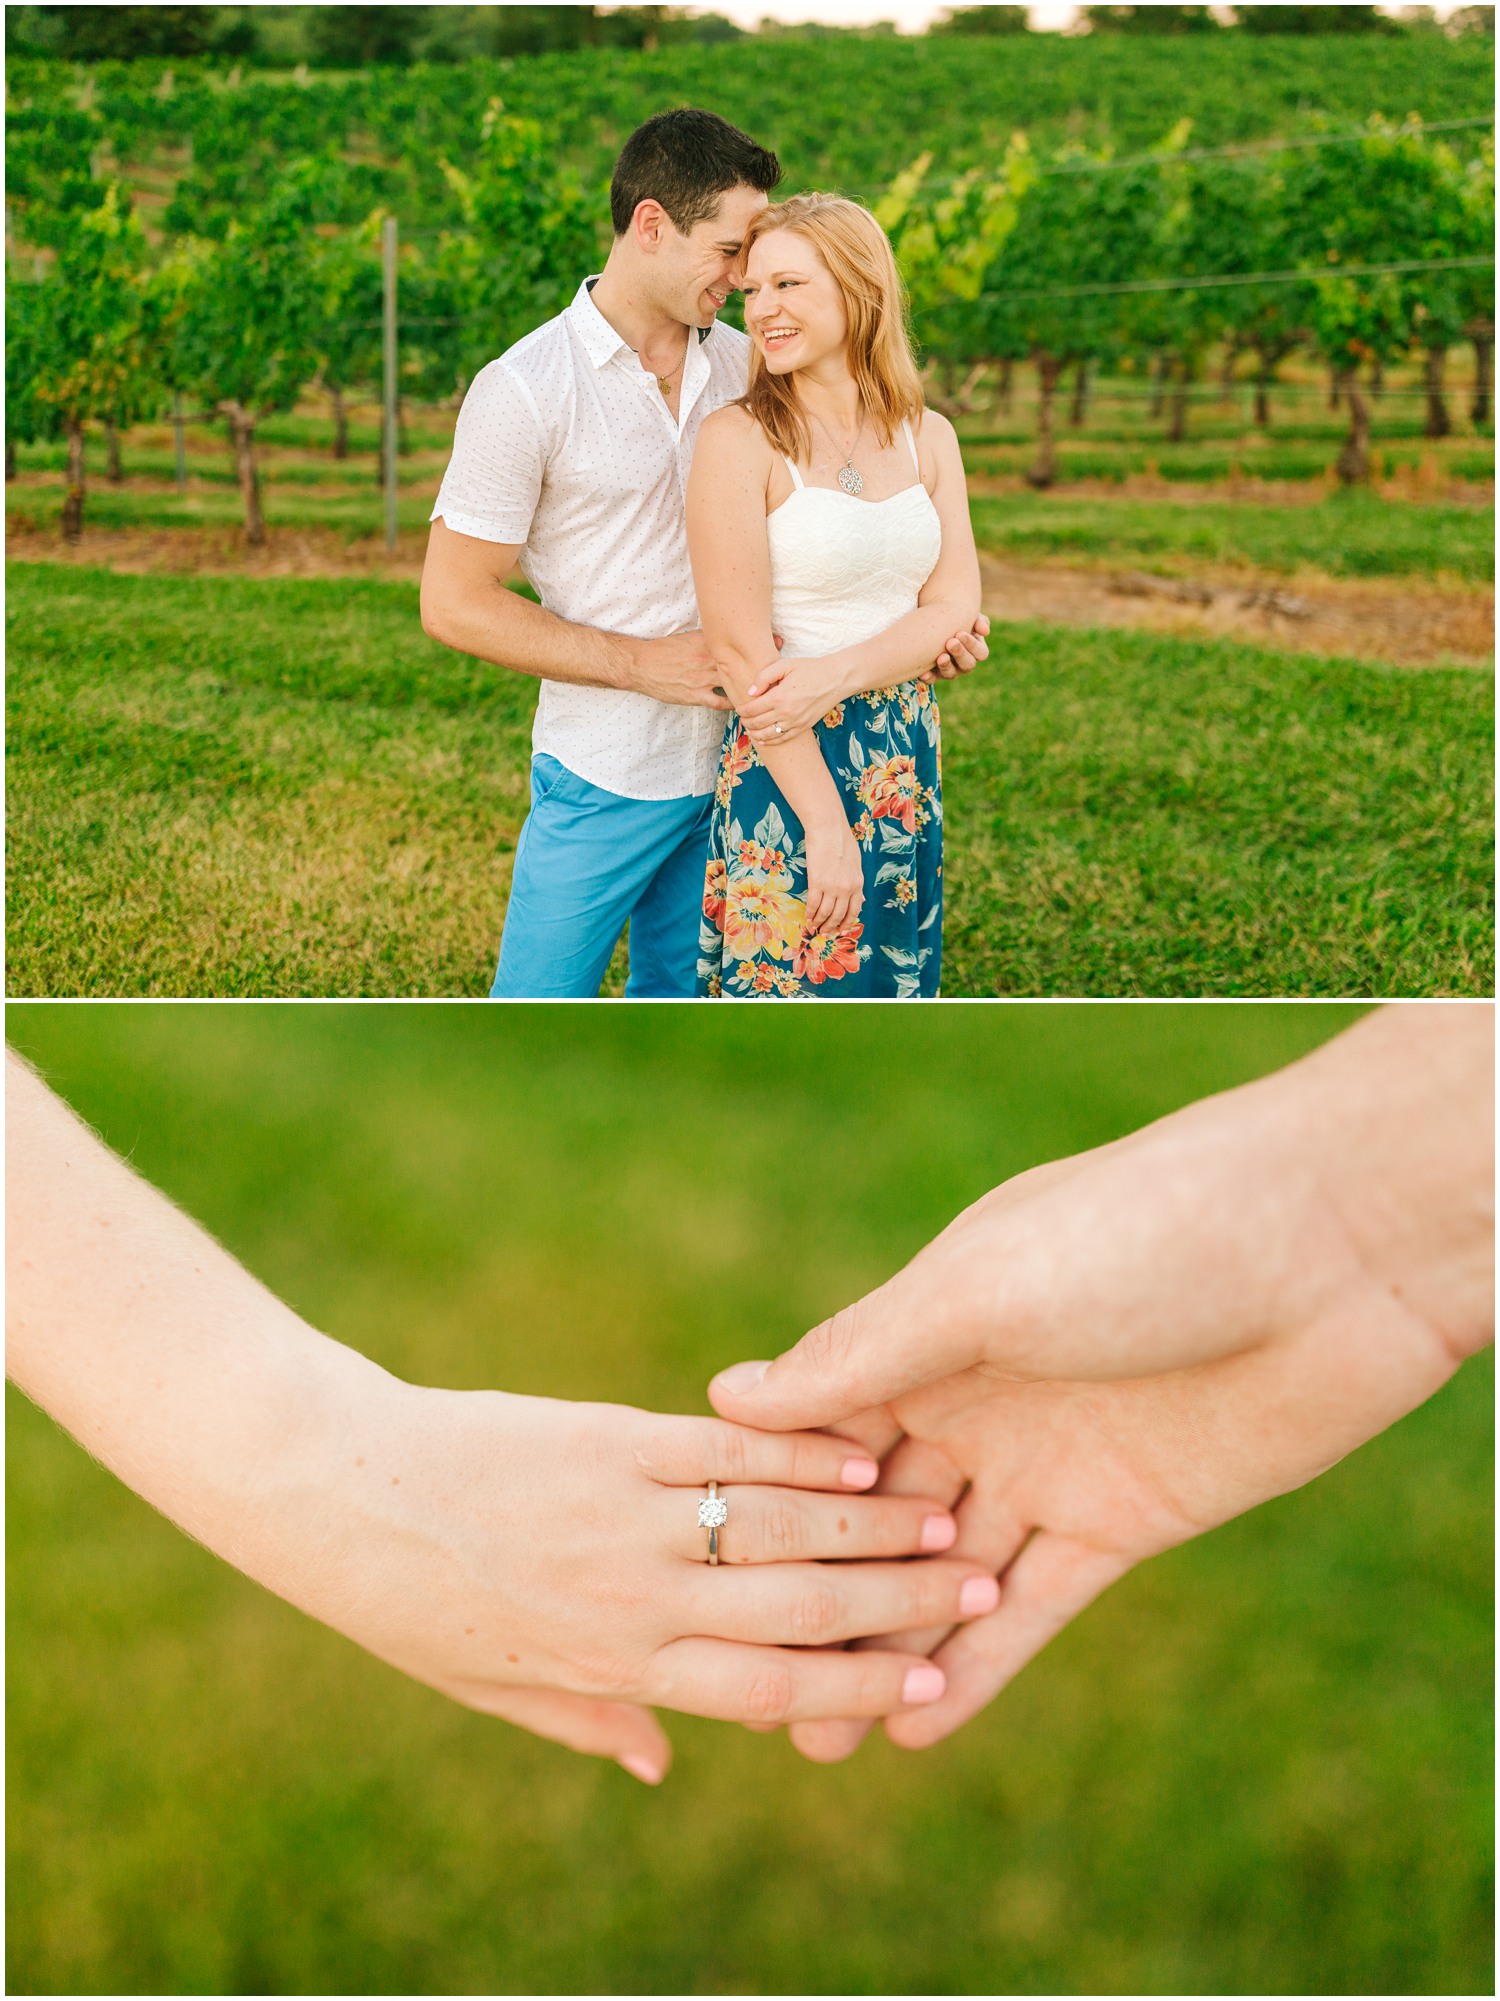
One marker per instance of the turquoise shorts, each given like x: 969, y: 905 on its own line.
x: 588, y: 862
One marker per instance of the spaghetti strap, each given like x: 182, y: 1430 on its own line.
x: 906, y: 426
x: 796, y: 476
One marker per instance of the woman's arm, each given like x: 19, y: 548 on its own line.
x: 730, y: 550
x: 534, y: 1559
x: 796, y: 692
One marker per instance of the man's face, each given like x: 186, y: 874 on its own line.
x: 700, y: 270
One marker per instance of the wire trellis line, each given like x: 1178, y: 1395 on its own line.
x: 1311, y: 277
x: 1238, y: 150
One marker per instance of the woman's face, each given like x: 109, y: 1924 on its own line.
x: 794, y: 311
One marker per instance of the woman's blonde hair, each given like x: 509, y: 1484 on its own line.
x: 858, y: 253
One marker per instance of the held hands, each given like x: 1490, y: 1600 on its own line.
x: 1271, y: 1278
x: 543, y: 1561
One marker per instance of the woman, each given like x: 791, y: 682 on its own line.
x: 827, y: 506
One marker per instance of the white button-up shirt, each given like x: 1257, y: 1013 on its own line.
x: 566, y: 445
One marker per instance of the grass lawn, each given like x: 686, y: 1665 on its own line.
x: 1346, y: 535
x: 1261, y: 1764
x: 239, y: 787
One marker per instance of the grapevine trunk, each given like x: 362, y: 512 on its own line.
x: 1354, y: 459
x: 72, y: 513
x: 1044, y: 469
x: 1438, y: 424
x: 247, y: 470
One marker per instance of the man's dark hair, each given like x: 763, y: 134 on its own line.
x: 686, y: 160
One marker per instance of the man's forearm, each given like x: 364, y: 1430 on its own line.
x: 1399, y: 1114
x: 499, y: 625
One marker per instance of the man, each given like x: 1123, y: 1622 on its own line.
x: 571, y: 455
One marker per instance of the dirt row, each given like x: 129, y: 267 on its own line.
x: 1408, y: 622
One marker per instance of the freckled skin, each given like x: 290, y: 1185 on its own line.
x: 843, y: 1526
x: 513, y: 1658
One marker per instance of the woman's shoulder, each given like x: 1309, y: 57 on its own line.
x: 932, y: 427
x: 732, y: 431
x: 937, y: 443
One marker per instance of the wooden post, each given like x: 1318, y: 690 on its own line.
x: 388, y: 250
x: 179, y: 447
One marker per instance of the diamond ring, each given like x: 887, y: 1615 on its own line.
x: 712, y: 1515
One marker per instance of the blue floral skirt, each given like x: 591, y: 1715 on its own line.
x: 886, y: 756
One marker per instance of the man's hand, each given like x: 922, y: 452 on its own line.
x: 962, y: 654
x: 1279, y: 1273
x: 679, y: 669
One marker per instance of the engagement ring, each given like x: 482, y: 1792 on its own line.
x: 712, y: 1515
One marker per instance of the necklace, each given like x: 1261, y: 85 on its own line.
x: 664, y: 382
x: 849, y: 479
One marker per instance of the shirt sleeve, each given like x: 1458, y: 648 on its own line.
x: 494, y: 478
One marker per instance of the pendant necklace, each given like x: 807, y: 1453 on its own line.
x: 849, y: 479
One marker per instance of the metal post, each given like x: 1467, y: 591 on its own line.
x: 388, y: 249
x: 178, y: 446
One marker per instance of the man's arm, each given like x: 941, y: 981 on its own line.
x: 467, y: 605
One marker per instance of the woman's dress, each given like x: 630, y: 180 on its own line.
x: 842, y: 570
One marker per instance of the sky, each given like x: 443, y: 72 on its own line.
x: 910, y: 16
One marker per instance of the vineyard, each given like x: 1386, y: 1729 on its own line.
x: 1214, y: 319
x: 211, y: 245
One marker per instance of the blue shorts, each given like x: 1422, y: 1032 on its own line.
x: 589, y: 861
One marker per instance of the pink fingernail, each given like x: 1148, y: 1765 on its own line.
x: 859, y: 1472
x: 923, y: 1684
x: 980, y: 1594
x: 939, y: 1532
x: 642, y: 1769
x: 742, y: 1378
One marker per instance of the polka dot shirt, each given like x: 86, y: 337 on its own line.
x: 566, y: 446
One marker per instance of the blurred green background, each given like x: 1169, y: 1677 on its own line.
x: 1263, y: 1763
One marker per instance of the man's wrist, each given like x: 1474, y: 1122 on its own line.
x: 624, y: 660
x: 1395, y: 1120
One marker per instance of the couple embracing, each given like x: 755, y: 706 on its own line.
x: 754, y: 560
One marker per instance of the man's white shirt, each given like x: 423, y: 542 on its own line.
x: 566, y: 445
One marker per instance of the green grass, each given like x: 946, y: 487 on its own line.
x: 1261, y: 1764
x: 234, y: 787
x: 1197, y: 463
x: 1346, y: 535
x: 353, y: 505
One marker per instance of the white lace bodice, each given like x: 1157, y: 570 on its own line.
x: 842, y: 568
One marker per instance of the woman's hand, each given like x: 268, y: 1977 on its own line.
x: 835, y: 877
x: 539, y: 1560
x: 789, y: 696
x: 509, y: 1550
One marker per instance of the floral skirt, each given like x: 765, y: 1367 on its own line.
x: 884, y: 752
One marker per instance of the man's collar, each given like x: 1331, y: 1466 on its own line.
x: 600, y: 341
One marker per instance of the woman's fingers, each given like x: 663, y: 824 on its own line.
x: 623, y: 1731
x: 774, y: 672
x: 691, y: 1451
x: 820, y: 1604
x: 782, y: 1525
x: 1049, y: 1583
x: 771, y: 1686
